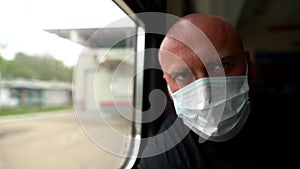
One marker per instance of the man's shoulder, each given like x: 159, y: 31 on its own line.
x: 178, y: 142
x: 168, y: 122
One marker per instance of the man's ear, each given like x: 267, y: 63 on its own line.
x: 251, y: 69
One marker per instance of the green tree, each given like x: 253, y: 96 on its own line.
x: 2, y: 66
x: 37, y: 67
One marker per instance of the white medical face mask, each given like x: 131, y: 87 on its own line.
x: 214, y: 108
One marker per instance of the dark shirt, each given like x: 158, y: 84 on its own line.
x: 265, y: 142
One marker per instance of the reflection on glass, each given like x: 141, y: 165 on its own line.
x: 103, y: 88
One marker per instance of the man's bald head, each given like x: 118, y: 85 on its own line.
x: 217, y: 30
x: 198, y: 40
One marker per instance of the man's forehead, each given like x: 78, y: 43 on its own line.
x: 173, y: 49
x: 204, y: 31
x: 171, y: 44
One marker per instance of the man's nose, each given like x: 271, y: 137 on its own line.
x: 201, y: 74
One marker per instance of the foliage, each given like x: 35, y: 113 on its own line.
x: 26, y: 110
x: 2, y: 64
x: 35, y: 67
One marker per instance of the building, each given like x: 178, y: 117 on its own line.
x: 20, y: 92
x: 96, y: 81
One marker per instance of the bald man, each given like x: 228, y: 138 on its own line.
x: 207, y: 72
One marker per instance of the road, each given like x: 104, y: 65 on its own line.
x: 54, y: 140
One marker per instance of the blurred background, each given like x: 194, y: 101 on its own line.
x: 54, y: 79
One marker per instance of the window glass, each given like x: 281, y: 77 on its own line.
x: 67, y: 82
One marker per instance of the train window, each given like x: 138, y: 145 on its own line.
x: 69, y: 86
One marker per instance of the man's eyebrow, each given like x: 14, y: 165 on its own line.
x: 225, y: 57
x: 220, y: 59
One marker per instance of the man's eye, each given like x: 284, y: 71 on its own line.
x: 217, y: 69
x: 214, y: 67
x: 184, y: 78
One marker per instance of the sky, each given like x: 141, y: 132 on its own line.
x: 38, y: 42
x: 23, y: 23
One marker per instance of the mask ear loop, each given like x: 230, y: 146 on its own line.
x: 246, y: 64
x: 169, y: 90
